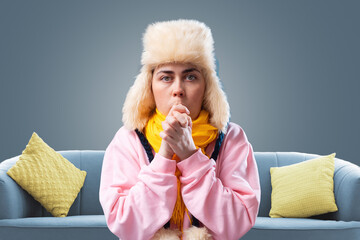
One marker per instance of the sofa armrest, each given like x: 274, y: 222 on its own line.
x: 14, y: 201
x: 347, y: 190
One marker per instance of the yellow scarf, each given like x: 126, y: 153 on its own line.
x: 202, y: 132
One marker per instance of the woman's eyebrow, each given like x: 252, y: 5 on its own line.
x: 190, y: 70
x: 165, y: 71
x: 171, y: 72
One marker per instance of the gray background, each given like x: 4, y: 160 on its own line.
x: 290, y: 70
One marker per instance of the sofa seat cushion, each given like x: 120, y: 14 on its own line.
x: 91, y: 227
x: 302, y: 228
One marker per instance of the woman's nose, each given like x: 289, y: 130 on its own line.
x: 178, y: 90
x: 178, y: 93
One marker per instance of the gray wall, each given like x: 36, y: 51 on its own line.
x: 290, y: 70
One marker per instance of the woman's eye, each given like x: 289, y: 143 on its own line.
x: 190, y: 77
x: 165, y: 78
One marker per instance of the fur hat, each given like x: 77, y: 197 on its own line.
x: 178, y: 41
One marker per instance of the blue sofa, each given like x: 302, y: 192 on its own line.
x: 21, y: 217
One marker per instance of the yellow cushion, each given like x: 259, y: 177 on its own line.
x: 304, y: 189
x: 47, y: 176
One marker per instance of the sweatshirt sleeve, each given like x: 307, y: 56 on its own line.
x: 224, y: 196
x: 137, y: 197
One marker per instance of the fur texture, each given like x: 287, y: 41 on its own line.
x: 195, y: 233
x: 167, y: 234
x: 192, y: 233
x: 178, y: 41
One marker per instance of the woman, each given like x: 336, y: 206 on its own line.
x: 178, y: 169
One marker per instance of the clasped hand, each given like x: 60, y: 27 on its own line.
x: 176, y: 137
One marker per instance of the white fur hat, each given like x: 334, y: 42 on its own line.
x: 178, y: 41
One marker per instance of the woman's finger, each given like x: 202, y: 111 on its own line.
x: 172, y: 122
x: 180, y: 108
x: 182, y: 144
x: 189, y: 120
x: 174, y: 131
x: 182, y: 118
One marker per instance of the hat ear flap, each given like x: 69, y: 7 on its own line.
x: 139, y: 102
x: 215, y: 101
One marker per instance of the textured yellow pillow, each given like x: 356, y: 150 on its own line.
x: 304, y: 189
x: 47, y: 176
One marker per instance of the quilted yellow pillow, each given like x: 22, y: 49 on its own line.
x: 304, y: 189
x: 47, y: 176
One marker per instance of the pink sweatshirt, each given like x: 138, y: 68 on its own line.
x: 138, y: 198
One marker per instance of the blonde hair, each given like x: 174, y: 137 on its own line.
x: 178, y: 41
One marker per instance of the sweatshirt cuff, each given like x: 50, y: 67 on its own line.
x: 198, y: 162
x: 163, y: 165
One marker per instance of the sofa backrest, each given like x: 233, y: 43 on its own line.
x: 87, y: 202
x: 266, y: 160
x: 91, y: 161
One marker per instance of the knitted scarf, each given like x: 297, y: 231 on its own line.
x: 202, y: 133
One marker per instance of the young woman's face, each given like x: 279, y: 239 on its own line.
x: 175, y: 83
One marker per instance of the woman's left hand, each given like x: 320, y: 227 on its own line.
x: 177, y: 131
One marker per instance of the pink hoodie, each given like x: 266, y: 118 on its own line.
x: 138, y: 198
